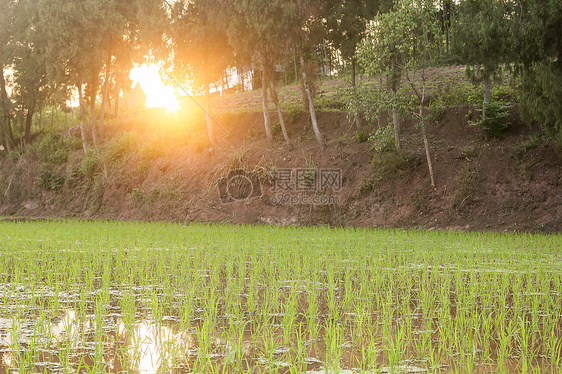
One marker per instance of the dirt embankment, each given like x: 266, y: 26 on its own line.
x: 512, y: 184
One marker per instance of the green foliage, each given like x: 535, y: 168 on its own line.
x: 361, y: 136
x: 463, y: 93
x: 540, y: 97
x: 292, y: 112
x: 481, y: 37
x: 436, y: 110
x: 538, y: 46
x: 90, y: 165
x: 383, y: 139
x: 496, y: 119
x: 15, y: 154
x: 49, y: 178
x: 394, y: 40
x: 347, y: 22
x: 398, y: 41
x: 329, y: 102
x: 390, y: 164
x: 53, y: 147
x: 120, y: 147
x: 137, y: 196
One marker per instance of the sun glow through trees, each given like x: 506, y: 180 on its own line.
x: 157, y: 94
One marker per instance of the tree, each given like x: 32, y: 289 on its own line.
x: 78, y: 44
x: 401, y: 44
x: 346, y: 25
x: 201, y: 48
x: 306, y: 33
x: 25, y: 53
x: 258, y: 30
x: 7, y: 14
x: 115, y: 15
x: 538, y: 46
x: 393, y: 39
x: 481, y: 36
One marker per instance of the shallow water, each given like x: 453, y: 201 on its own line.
x: 107, y: 298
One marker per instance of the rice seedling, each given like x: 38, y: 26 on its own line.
x: 93, y: 297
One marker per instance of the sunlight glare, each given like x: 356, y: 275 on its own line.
x: 157, y: 94
x: 152, y: 346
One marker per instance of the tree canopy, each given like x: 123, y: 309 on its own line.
x: 51, y: 50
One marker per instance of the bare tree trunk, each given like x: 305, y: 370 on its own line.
x: 29, y: 120
x: 428, y: 156
x: 210, y: 127
x: 5, y: 125
x: 424, y: 135
x: 105, y: 89
x: 487, y: 90
x: 93, y: 113
x: 275, y: 99
x: 311, y: 109
x: 9, y: 136
x: 397, y: 122
x: 117, y: 100
x: 265, y: 102
x: 82, y: 124
x: 296, y: 71
x: 353, y: 71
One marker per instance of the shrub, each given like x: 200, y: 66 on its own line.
x: 15, y: 154
x: 390, y: 164
x: 329, y: 102
x: 496, y: 119
x: 50, y: 179
x: 383, y: 138
x: 436, y: 110
x: 90, y: 165
x: 361, y: 136
x: 293, y: 113
x: 120, y: 147
x: 52, y: 148
x: 463, y: 93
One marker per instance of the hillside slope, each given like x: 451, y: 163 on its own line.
x: 156, y: 166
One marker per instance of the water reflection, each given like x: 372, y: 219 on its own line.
x: 154, y: 346
x: 68, y: 339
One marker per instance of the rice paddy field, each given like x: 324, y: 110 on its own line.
x: 130, y: 297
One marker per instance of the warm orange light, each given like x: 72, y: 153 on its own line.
x: 157, y: 94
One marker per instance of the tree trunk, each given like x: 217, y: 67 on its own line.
x: 82, y: 124
x: 296, y: 71
x: 5, y: 125
x: 210, y: 127
x: 487, y: 90
x: 53, y: 109
x: 275, y: 99
x: 353, y: 71
x: 116, y: 100
x: 396, y: 121
x: 265, y: 102
x: 93, y: 115
x: 311, y: 109
x: 29, y: 120
x: 428, y: 156
x: 105, y: 89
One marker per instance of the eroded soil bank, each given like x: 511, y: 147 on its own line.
x: 510, y: 184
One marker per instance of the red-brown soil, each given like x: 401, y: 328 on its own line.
x: 510, y: 184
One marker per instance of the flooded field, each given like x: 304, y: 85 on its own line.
x: 112, y: 297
